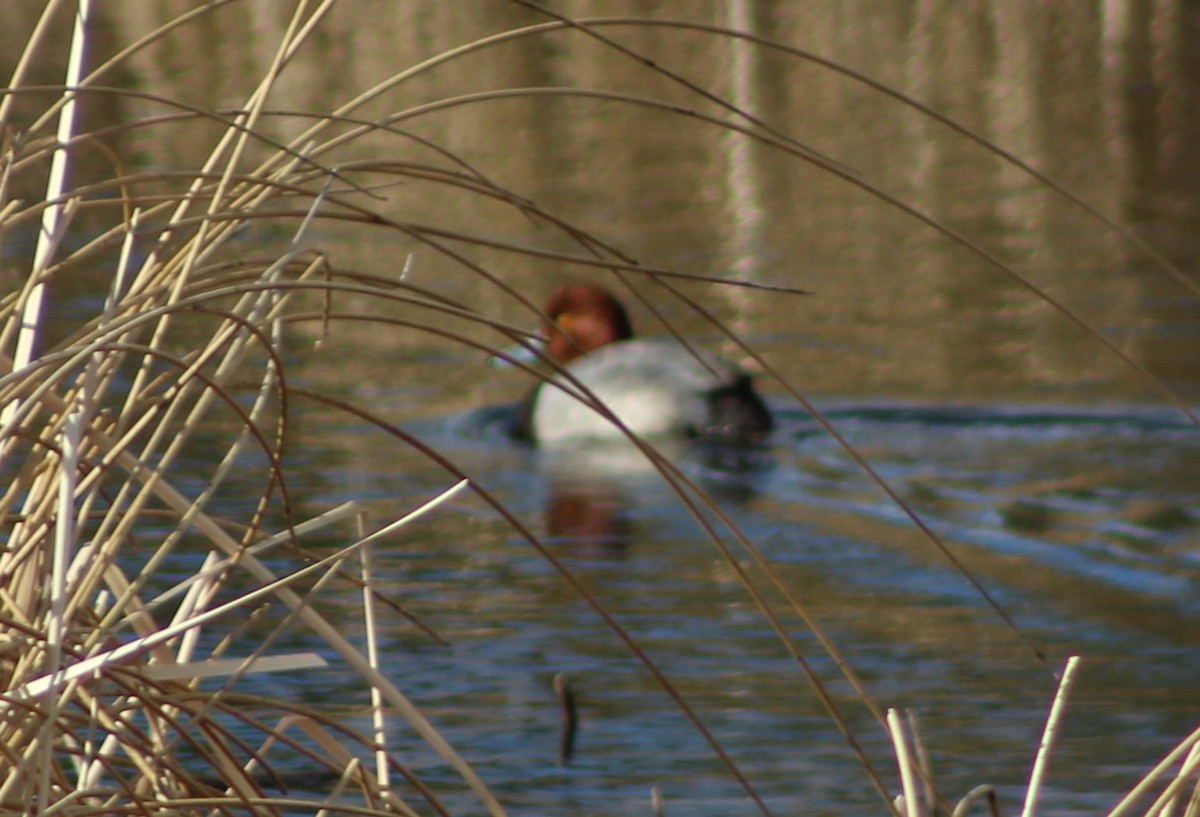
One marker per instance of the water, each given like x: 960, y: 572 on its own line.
x: 1079, y: 523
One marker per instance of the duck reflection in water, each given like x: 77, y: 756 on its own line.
x: 590, y: 517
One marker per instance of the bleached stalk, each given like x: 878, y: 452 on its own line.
x: 234, y: 339
x: 97, y: 663
x: 335, y: 795
x: 1168, y: 801
x: 222, y: 667
x: 122, y: 276
x: 60, y: 563
x: 118, y: 656
x: 234, y: 141
x: 52, y: 217
x: 912, y: 806
x: 204, y: 592
x: 923, y: 763
x: 317, y: 623
x: 211, y: 569
x: 1048, y: 737
x: 324, y: 629
x: 95, y: 376
x: 1189, y: 770
x: 202, y: 587
x: 33, y: 43
x: 378, y: 720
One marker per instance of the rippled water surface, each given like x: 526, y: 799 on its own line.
x: 1080, y: 525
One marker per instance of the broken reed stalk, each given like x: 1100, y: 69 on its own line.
x: 908, y: 798
x: 912, y: 760
x: 1041, y: 763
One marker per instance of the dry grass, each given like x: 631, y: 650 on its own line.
x: 108, y: 670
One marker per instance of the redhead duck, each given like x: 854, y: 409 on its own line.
x: 656, y: 387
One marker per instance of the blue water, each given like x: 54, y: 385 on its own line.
x: 1079, y: 524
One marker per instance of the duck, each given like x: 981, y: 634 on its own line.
x: 655, y: 386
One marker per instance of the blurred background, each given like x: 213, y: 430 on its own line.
x: 1100, y: 97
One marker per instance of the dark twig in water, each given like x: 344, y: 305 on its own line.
x: 566, y: 699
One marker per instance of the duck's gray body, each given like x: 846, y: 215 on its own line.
x: 655, y: 388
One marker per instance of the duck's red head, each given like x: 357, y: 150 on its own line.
x: 585, y: 317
